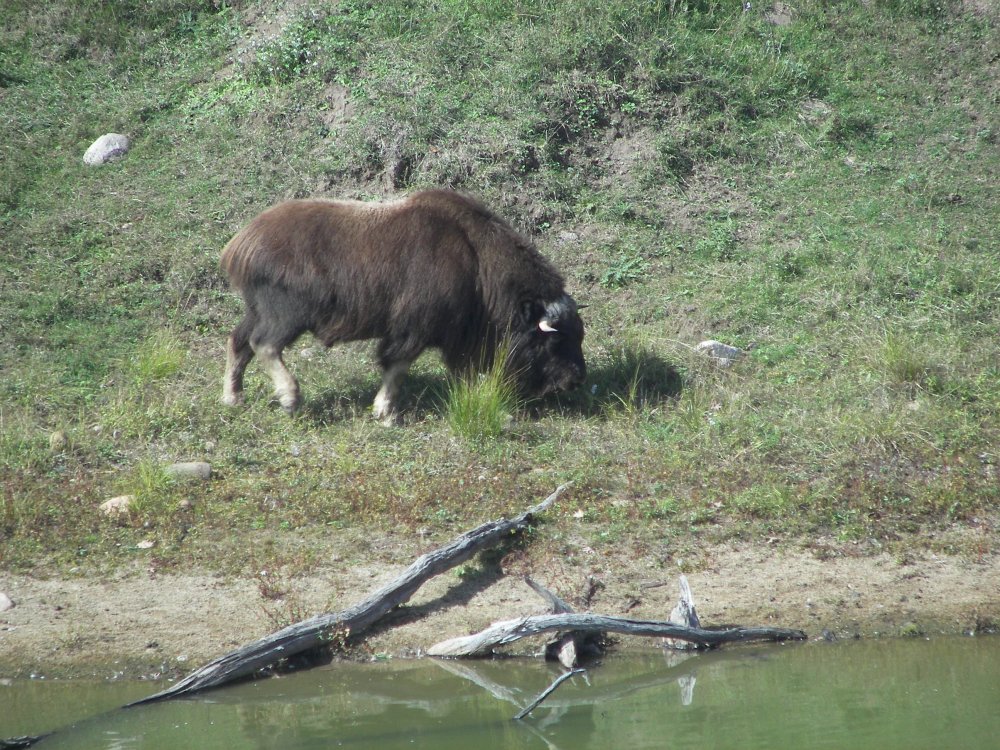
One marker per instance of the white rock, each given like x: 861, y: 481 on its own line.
x: 723, y: 354
x: 190, y: 470
x: 116, y: 506
x: 108, y: 147
x: 146, y: 544
x: 5, y: 602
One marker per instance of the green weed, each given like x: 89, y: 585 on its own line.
x: 151, y: 488
x: 627, y: 267
x: 161, y: 357
x: 480, y: 407
x: 908, y: 362
x: 721, y: 244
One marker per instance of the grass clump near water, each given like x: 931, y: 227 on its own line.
x: 815, y: 186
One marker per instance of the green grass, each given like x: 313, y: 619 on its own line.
x: 479, y: 407
x: 821, y: 194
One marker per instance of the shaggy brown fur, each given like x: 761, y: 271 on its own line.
x: 437, y: 269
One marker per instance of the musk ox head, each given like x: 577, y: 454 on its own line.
x: 546, y: 353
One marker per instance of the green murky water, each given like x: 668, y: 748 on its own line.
x: 942, y: 693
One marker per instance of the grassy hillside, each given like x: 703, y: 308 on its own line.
x: 815, y: 184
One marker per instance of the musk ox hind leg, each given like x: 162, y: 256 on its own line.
x: 286, y: 387
x: 238, y: 356
x: 274, y: 319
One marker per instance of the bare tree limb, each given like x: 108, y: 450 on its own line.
x: 508, y: 631
x: 547, y: 692
x: 320, y: 630
x: 556, y: 605
x: 566, y: 647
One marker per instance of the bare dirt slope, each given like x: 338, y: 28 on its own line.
x: 145, y: 623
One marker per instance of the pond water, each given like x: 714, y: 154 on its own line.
x: 912, y: 694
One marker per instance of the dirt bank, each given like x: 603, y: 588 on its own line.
x: 144, y: 623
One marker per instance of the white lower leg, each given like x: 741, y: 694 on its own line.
x: 286, y: 388
x: 232, y: 381
x: 230, y: 396
x: 384, y: 407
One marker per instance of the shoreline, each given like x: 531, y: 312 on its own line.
x: 140, y: 624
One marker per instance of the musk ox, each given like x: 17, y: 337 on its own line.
x: 434, y: 270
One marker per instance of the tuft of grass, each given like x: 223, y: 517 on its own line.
x: 160, y: 357
x: 906, y: 362
x: 152, y: 489
x: 626, y: 268
x: 636, y: 381
x: 721, y: 244
x: 480, y: 406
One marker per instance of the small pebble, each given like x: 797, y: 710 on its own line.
x: 116, y: 506
x: 190, y: 470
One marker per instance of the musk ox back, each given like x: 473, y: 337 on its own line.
x: 434, y: 270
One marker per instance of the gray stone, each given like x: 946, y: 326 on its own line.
x: 780, y: 14
x: 723, y: 354
x: 190, y: 470
x: 58, y: 441
x: 5, y: 602
x: 117, y: 506
x: 108, y: 147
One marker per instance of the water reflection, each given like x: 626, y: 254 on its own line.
x: 884, y: 695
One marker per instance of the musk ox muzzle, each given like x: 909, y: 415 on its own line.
x: 434, y: 270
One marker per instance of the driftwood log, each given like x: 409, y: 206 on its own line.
x: 320, y: 630
x: 508, y: 631
x: 566, y: 647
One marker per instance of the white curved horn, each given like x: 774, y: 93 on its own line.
x: 544, y: 325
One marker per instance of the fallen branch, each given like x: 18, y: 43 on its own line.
x: 567, y: 646
x: 547, y: 692
x: 556, y: 605
x: 508, y: 631
x: 320, y: 630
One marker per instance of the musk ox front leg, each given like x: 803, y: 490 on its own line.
x: 385, y: 408
x: 395, y: 354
